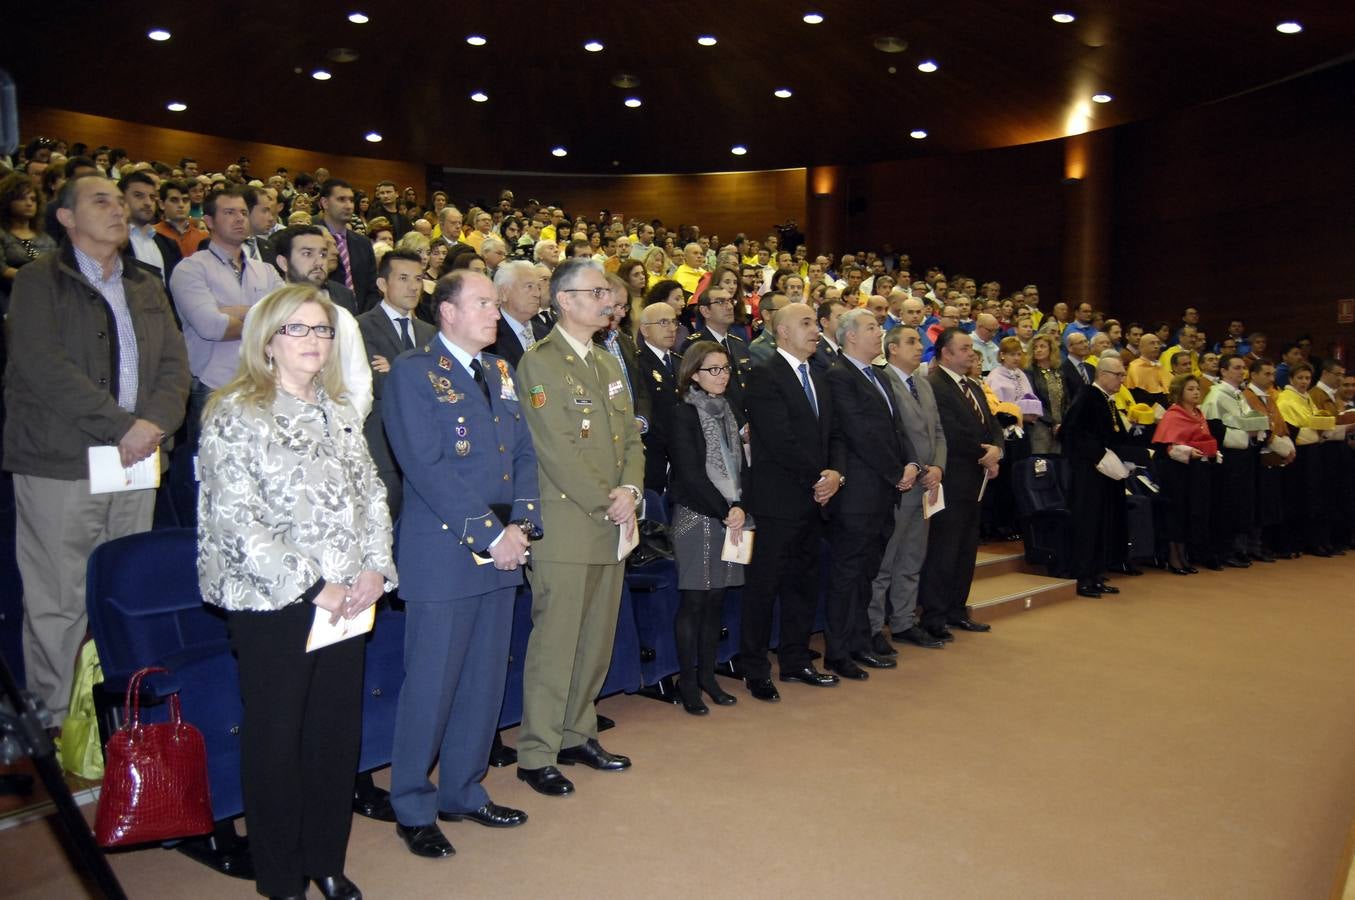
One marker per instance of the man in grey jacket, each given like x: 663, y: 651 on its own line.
x: 95, y: 360
x: 895, y: 587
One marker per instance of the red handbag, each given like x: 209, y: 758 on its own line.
x: 155, y: 777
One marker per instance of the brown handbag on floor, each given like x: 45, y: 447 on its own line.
x: 155, y: 777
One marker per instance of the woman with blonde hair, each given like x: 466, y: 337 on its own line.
x: 1046, y: 380
x: 293, y: 532
x: 656, y: 266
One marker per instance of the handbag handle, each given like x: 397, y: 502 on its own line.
x: 131, y: 707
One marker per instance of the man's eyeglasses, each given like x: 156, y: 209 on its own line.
x: 717, y: 371
x: 663, y: 323
x: 597, y: 292
x: 298, y: 330
x: 725, y: 302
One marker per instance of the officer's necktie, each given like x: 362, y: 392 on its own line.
x: 478, y: 371
x: 809, y: 391
x: 405, y: 340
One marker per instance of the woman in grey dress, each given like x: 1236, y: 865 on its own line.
x: 709, y: 470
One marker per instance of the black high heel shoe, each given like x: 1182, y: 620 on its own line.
x: 690, y: 694
x: 717, y: 696
x: 1178, y: 570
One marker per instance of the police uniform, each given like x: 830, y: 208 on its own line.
x: 460, y: 452
x: 587, y: 444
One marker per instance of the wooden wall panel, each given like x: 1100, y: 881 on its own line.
x: 213, y: 153
x: 722, y: 204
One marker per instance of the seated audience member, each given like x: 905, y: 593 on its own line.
x: 1304, y: 488
x: 1045, y: 376
x: 709, y: 470
x: 1186, y: 453
x: 282, y: 420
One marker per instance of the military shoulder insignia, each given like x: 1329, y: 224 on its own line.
x: 538, y: 395
x: 444, y: 363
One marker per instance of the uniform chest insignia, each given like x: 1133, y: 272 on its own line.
x: 615, y: 388
x: 463, y: 448
x: 442, y: 387
x: 444, y: 363
x: 658, y: 376
x: 538, y: 394
x: 507, y: 390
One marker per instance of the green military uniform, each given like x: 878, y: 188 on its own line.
x: 587, y: 444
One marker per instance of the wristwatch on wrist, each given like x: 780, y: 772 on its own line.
x: 529, y: 528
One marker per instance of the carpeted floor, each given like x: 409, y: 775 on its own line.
x: 1192, y: 738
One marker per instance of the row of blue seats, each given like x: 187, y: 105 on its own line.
x: 145, y: 609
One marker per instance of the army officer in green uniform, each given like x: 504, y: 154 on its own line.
x: 591, y: 463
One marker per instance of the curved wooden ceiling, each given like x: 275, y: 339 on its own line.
x: 1007, y: 74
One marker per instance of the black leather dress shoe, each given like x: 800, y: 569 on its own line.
x: 763, y: 689
x: 880, y: 646
x: 1176, y: 570
x: 845, y: 668
x: 1107, y: 588
x: 916, y: 634
x: 337, y: 887
x: 940, y: 632
x: 1213, y: 565
x: 1237, y: 562
x: 968, y: 624
x: 500, y: 755
x: 374, y: 804
x: 1125, y: 569
x: 1088, y: 590
x: 425, y: 840
x: 491, y: 815
x: 1262, y: 555
x: 591, y: 754
x: 871, y: 661
x: 546, y: 780
x: 810, y: 676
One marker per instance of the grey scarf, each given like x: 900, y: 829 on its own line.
x: 723, y: 445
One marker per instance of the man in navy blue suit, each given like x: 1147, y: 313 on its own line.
x: 470, y: 505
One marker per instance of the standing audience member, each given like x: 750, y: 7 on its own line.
x: 22, y: 239
x: 591, y: 464
x: 357, y: 261
x: 519, y: 328
x: 269, y: 554
x: 94, y: 360
x: 658, y: 366
x: 973, y: 451
x: 1182, y: 465
x: 146, y: 245
x: 455, y: 425
x: 1238, y: 431
x: 709, y: 473
x: 1304, y: 489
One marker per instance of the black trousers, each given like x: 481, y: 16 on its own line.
x: 1098, y: 509
x: 785, y: 563
x: 858, y: 543
x: 952, y: 548
x: 299, y: 745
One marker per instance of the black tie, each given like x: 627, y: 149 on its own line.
x: 478, y: 371
x: 668, y: 364
x: 969, y: 395
x: 912, y: 388
x: 405, y: 340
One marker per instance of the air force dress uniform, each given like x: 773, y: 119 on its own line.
x: 469, y: 467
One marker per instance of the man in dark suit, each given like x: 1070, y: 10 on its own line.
x: 152, y: 250
x: 622, y: 348
x: 1090, y: 428
x: 1077, y: 373
x: 658, y: 366
x: 450, y: 221
x: 798, y: 458
x: 262, y: 217
x: 389, y: 329
x: 357, y: 263
x: 470, y: 504
x: 880, y: 465
x: 717, y: 315
x: 973, y: 450
x: 827, y: 352
x: 386, y: 204
x: 519, y: 290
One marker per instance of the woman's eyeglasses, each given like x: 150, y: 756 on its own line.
x: 717, y: 371
x: 299, y: 330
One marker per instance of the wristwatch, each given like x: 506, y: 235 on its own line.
x: 529, y: 528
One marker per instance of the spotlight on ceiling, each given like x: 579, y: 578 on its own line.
x: 559, y: 151
x: 358, y: 18
x: 813, y: 18
x: 738, y: 149
x: 479, y: 96
x: 1064, y: 18
x: 1282, y: 28
x: 917, y: 134
x: 707, y: 40
x: 1102, y: 98
x: 634, y: 102
x: 927, y: 65
x: 373, y: 137
x: 593, y: 46
x: 158, y: 34
x: 783, y: 93
x: 476, y: 40
x: 321, y: 75
x: 176, y: 106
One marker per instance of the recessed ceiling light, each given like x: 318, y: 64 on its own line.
x: 1102, y: 98
x: 476, y: 40
x: 479, y: 96
x: 593, y: 46
x: 927, y: 65
x: 1282, y: 28
x: 321, y: 75
x: 633, y: 102
x: 176, y: 106
x: 358, y: 18
x: 559, y: 151
x: 1063, y: 18
x: 813, y: 18
x: 738, y: 149
x: 158, y: 34
x: 783, y: 93
x: 917, y: 134
x: 373, y: 137
x: 707, y: 40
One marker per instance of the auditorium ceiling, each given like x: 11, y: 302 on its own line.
x: 641, y: 87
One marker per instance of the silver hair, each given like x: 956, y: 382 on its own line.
x: 536, y: 249
x: 848, y: 322
x: 511, y: 272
